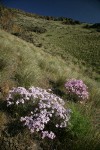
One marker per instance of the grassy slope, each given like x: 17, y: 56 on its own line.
x: 67, y: 39
x: 66, y: 51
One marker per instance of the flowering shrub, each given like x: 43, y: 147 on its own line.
x: 77, y: 88
x: 49, y: 110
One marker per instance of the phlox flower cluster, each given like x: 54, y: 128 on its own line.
x: 50, y: 135
x: 78, y: 88
x: 49, y: 110
x: 17, y: 95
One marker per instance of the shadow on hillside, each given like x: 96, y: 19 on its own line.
x: 3, y: 106
x: 14, y: 128
x: 56, y: 88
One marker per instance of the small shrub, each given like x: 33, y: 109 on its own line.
x: 69, y: 21
x: 76, y: 89
x: 87, y: 26
x: 96, y: 25
x: 93, y: 26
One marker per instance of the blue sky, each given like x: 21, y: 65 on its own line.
x: 83, y: 10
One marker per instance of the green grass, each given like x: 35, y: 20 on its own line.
x: 47, y: 60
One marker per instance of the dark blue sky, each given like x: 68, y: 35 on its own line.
x: 83, y: 10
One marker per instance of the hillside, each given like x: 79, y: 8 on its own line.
x: 45, y: 53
